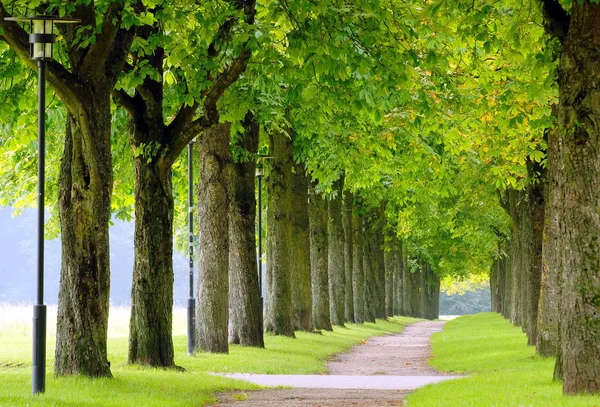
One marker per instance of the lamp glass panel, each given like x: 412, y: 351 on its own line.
x: 42, y: 50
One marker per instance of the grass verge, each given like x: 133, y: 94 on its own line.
x: 503, y: 370
x: 135, y: 386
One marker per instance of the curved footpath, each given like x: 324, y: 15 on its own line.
x: 377, y: 373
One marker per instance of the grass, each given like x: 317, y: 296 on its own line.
x: 503, y: 370
x: 135, y: 386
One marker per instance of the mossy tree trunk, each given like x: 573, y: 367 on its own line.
x: 407, y: 291
x: 85, y: 187
x: 358, y: 277
x: 535, y: 195
x: 398, y: 279
x: 300, y: 252
x: 579, y: 137
x: 335, y: 253
x: 319, y: 248
x: 278, y: 316
x: 547, y: 343
x: 370, y: 269
x: 348, y: 256
x: 212, y: 309
x: 389, y: 281
x: 245, y: 317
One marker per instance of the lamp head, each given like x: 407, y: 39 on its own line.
x: 41, y: 34
x: 259, y: 169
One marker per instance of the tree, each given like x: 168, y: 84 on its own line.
x: 319, y: 266
x: 245, y: 318
x: 335, y: 253
x: 85, y: 183
x: 300, y: 248
x: 578, y: 134
x: 278, y: 317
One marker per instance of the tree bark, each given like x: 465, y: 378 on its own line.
x: 300, y: 252
x: 416, y: 291
x: 358, y: 277
x: 494, y: 286
x: 335, y: 253
x: 278, y: 317
x: 212, y: 314
x: 85, y: 187
x: 370, y: 269
x: 317, y: 212
x: 389, y: 281
x: 379, y: 255
x: 535, y: 194
x: 431, y: 293
x: 407, y: 285
x: 348, y: 263
x: 525, y: 239
x: 398, y: 277
x: 245, y: 317
x: 579, y: 132
x: 150, y: 325
x: 549, y: 302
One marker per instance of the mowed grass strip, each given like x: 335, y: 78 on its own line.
x: 503, y: 370
x: 136, y: 386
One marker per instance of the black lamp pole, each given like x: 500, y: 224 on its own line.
x: 41, y: 38
x: 191, y: 306
x: 39, y: 309
x: 259, y: 174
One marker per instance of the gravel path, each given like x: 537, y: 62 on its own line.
x: 377, y: 373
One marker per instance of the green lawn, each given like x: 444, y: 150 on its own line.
x: 503, y: 370
x: 134, y: 386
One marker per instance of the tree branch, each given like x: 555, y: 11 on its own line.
x: 556, y: 19
x: 107, y: 55
x: 184, y: 129
x: 125, y: 101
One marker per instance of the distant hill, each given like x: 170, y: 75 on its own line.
x: 18, y: 262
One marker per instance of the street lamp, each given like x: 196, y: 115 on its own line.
x: 191, y: 306
x: 40, y: 49
x: 259, y: 175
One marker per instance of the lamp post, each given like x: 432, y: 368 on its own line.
x: 259, y: 175
x: 41, y: 38
x: 191, y: 306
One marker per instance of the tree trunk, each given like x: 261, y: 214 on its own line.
x: 300, y: 252
x: 389, y: 281
x: 358, y: 277
x: 515, y: 258
x: 348, y: 263
x: 549, y: 303
x: 379, y: 254
x: 370, y: 269
x: 278, y: 317
x: 525, y: 229
x: 508, y: 287
x: 336, y: 266
x: 150, y: 325
x: 407, y: 291
x: 398, y: 277
x: 317, y: 212
x: 536, y: 206
x: 212, y: 313
x: 431, y: 288
x: 245, y: 317
x: 85, y: 187
x: 494, y: 286
x: 579, y: 132
x: 416, y: 292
